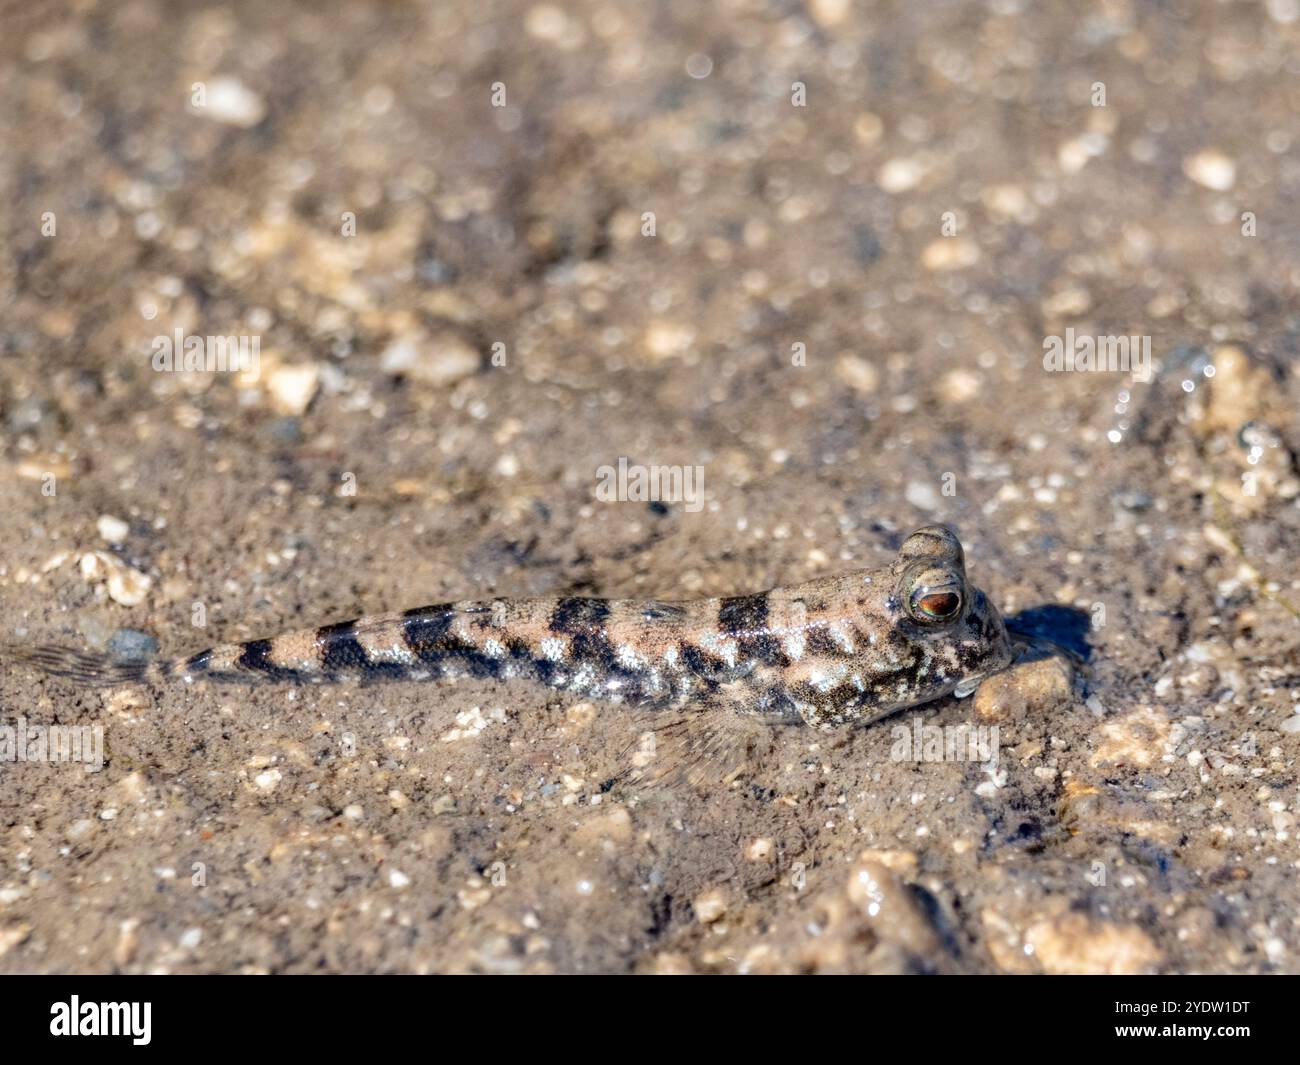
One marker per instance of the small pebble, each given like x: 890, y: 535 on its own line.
x: 437, y: 360
x: 1135, y: 500
x: 112, y: 530
x: 950, y: 253
x: 1037, y: 688
x: 268, y: 779
x: 127, y: 942
x: 960, y: 386
x: 1009, y: 201
x: 710, y: 906
x: 1212, y: 169
x: 664, y: 340
x: 829, y: 12
x: 132, y: 645
x: 1073, y: 155
x: 900, y: 175
x: 1074, y: 943
x: 922, y: 496
x: 1069, y: 302
x: 285, y: 430
x: 125, y: 585
x: 1236, y: 391
x: 12, y: 935
x: 292, y: 388
x: 891, y: 908
x: 79, y: 828
x: 28, y: 414
x: 857, y: 373
x: 546, y: 22
x: 230, y: 101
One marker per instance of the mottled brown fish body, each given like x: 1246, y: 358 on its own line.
x: 830, y: 651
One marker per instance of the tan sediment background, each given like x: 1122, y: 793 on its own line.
x: 815, y: 250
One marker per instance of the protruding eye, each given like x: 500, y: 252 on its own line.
x: 941, y: 605
x: 934, y: 595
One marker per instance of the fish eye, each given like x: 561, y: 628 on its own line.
x: 937, y: 606
x: 935, y: 598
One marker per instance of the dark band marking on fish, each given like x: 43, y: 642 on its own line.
x: 425, y: 631
x: 743, y: 615
x: 579, y: 615
x: 256, y: 658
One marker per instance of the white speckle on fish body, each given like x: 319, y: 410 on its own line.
x: 794, y: 644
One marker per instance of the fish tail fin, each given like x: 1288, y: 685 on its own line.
x: 90, y: 669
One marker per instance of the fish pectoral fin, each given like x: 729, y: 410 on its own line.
x: 715, y: 740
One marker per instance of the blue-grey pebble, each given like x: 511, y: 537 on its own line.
x: 132, y: 644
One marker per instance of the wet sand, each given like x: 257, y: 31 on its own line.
x: 816, y: 251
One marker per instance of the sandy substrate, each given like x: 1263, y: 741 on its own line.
x: 834, y: 300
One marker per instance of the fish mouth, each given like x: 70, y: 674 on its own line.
x: 1000, y: 656
x: 968, y: 684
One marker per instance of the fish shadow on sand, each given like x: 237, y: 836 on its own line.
x: 1045, y: 630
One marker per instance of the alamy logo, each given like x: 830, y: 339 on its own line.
x: 1106, y: 354
x: 949, y: 743
x: 21, y: 742
x: 651, y: 484
x: 211, y: 354
x: 102, y: 1018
